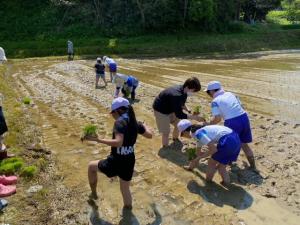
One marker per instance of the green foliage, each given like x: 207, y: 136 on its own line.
x: 90, y: 130
x: 197, y: 109
x: 11, y: 166
x: 29, y: 171
x: 26, y: 100
x: 191, y: 153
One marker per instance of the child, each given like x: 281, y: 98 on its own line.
x: 129, y: 87
x: 119, y: 80
x: 226, y: 106
x: 112, y: 67
x: 121, y: 160
x: 100, y: 72
x: 223, y: 146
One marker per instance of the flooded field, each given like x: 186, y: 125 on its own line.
x: 163, y: 193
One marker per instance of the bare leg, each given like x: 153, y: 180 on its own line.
x: 105, y: 84
x: 125, y: 190
x: 211, y: 169
x: 117, y: 91
x: 165, y: 139
x: 249, y: 154
x: 175, y: 121
x: 97, y: 81
x: 224, y: 174
x: 92, y: 174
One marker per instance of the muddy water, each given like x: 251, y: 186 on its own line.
x: 163, y: 192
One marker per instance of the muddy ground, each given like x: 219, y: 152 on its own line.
x: 65, y: 99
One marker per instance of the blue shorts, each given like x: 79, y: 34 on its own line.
x: 228, y: 147
x: 241, y: 125
x: 113, y: 67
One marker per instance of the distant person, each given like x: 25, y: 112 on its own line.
x: 227, y: 106
x: 2, y: 55
x: 100, y: 72
x: 129, y: 87
x: 112, y: 65
x: 3, y: 130
x: 70, y: 50
x: 223, y: 146
x: 121, y: 160
x: 169, y: 105
x: 119, y: 80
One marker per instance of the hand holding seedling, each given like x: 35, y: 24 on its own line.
x: 89, y: 133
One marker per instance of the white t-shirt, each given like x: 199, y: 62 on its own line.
x: 226, y: 105
x: 120, y: 79
x: 210, y: 133
x: 109, y: 61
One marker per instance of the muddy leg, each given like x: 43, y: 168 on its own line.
x: 224, y: 174
x: 211, y: 169
x: 92, y: 174
x: 165, y: 139
x: 125, y: 190
x: 249, y: 154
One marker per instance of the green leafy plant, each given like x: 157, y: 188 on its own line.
x: 26, y: 100
x: 89, y: 130
x: 11, y: 166
x: 29, y: 171
x: 191, y: 153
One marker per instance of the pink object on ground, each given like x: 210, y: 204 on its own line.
x: 8, y: 180
x: 7, y: 190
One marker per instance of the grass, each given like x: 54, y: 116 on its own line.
x: 29, y: 171
x: 255, y: 38
x: 11, y: 166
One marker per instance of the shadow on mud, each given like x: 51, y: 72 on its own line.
x: 241, y: 176
x: 128, y: 218
x: 234, y: 196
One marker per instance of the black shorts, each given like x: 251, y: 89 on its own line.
x: 118, y: 166
x: 3, y: 126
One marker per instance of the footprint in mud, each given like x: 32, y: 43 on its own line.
x: 234, y: 196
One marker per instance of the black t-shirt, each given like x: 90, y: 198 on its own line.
x: 99, y: 68
x: 171, y: 100
x: 130, y: 135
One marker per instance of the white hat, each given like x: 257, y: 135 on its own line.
x: 213, y: 85
x: 98, y: 59
x: 183, y: 125
x: 119, y: 102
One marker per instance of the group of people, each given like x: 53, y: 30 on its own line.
x: 126, y: 83
x: 223, y: 141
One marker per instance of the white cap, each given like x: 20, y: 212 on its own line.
x: 183, y: 125
x: 98, y: 59
x: 119, y: 102
x: 213, y: 85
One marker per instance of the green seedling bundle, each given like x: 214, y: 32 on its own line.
x: 191, y: 153
x: 89, y: 130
